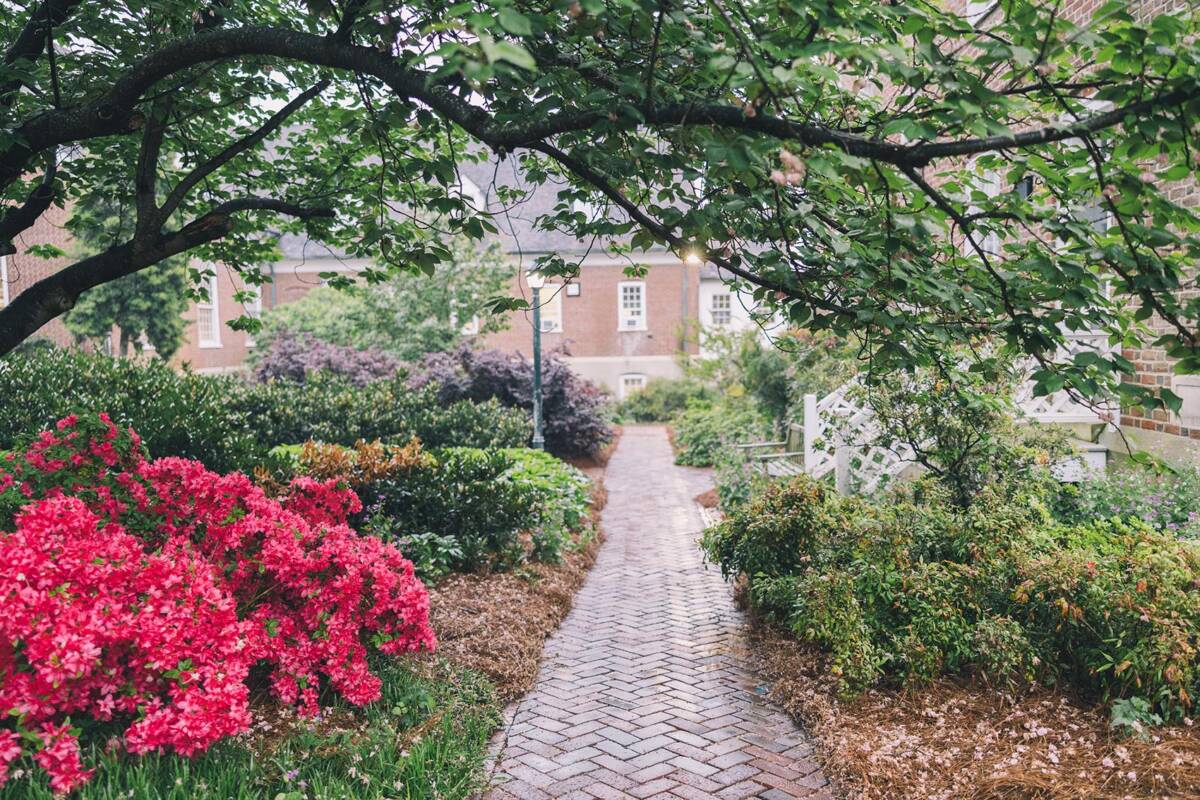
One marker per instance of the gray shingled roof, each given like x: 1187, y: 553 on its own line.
x: 518, y: 234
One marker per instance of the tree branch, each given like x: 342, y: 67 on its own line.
x: 113, y: 113
x: 15, y: 220
x: 56, y: 294
x: 30, y: 43
x: 231, y: 152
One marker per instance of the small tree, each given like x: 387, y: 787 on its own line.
x: 961, y: 426
x: 146, y: 307
x: 407, y: 315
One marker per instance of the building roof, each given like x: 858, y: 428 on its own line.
x: 519, y: 233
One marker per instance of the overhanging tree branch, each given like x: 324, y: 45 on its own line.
x: 206, y: 168
x: 56, y: 294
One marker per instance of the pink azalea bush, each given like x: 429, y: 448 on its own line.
x: 145, y: 592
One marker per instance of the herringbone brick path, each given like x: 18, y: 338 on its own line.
x: 642, y: 693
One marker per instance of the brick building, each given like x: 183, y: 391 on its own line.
x: 617, y: 330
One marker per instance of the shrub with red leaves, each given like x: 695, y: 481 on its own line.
x: 145, y: 591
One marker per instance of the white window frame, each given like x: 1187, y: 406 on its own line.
x: 625, y: 316
x: 727, y: 311
x: 623, y: 390
x: 213, y: 309
x: 3, y: 281
x: 550, y: 297
x: 253, y: 310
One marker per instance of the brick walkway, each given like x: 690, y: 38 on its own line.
x: 642, y: 693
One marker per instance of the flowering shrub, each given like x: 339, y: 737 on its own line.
x: 145, y: 592
x: 1169, y: 502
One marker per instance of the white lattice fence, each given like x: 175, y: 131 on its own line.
x: 840, y: 431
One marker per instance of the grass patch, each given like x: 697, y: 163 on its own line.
x: 425, y: 738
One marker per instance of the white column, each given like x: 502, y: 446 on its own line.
x: 812, y: 430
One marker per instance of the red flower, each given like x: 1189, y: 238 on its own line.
x: 144, y: 591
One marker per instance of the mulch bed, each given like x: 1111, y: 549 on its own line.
x: 961, y: 740
x: 497, y: 623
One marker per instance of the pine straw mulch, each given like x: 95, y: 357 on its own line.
x: 962, y: 740
x: 497, y: 623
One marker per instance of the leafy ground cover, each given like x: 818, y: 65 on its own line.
x: 958, y: 738
x: 985, y: 651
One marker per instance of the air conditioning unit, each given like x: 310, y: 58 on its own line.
x: 549, y: 326
x: 632, y: 322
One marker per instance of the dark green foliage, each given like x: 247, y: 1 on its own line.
x: 175, y: 414
x: 914, y: 587
x: 326, y: 409
x: 227, y: 423
x: 464, y: 508
x: 463, y: 494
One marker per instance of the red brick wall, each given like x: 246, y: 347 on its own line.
x: 24, y: 270
x: 235, y: 348
x: 590, y: 319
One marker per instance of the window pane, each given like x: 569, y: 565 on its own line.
x: 722, y: 309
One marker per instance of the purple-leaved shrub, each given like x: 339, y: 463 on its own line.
x: 294, y: 357
x: 571, y: 406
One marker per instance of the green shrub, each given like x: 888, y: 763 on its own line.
x: 328, y: 410
x: 176, y: 414
x: 1115, y: 607
x: 562, y: 498
x: 456, y: 508
x: 662, y: 399
x: 228, y: 424
x: 776, y: 532
x: 737, y: 478
x: 462, y: 493
x: 914, y: 587
x: 702, y: 430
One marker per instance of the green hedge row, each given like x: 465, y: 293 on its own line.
x: 230, y: 424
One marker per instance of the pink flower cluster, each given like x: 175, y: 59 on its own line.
x: 145, y: 591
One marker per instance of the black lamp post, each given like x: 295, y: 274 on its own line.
x: 536, y: 282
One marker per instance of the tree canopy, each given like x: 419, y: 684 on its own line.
x: 885, y: 168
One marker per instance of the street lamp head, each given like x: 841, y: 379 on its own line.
x: 536, y: 280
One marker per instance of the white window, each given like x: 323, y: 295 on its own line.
x: 208, y: 315
x: 722, y: 308
x: 631, y: 382
x: 550, y: 297
x: 3, y: 281
x: 631, y: 306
